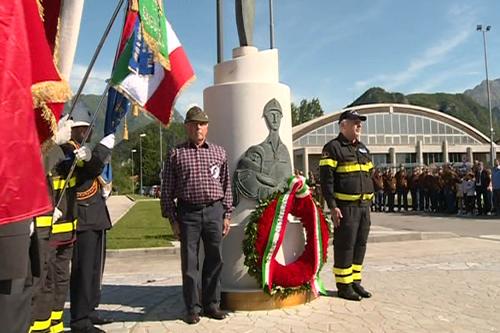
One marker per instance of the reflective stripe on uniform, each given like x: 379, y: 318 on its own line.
x: 356, y: 276
x: 58, y: 328
x: 58, y: 183
x: 63, y: 227
x: 56, y: 315
x: 43, y: 221
x: 342, y: 271
x: 354, y: 167
x: 357, y: 268
x: 328, y: 162
x: 40, y: 325
x: 353, y: 197
x: 344, y: 279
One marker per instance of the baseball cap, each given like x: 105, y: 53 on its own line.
x: 351, y: 115
x: 195, y: 113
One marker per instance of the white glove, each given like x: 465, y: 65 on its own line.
x: 56, y: 215
x: 108, y: 141
x: 63, y: 133
x: 32, y: 228
x: 83, y: 153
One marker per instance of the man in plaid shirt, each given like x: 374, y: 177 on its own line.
x: 196, y: 197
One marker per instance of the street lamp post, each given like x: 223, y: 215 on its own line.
x: 133, y: 183
x: 142, y: 135
x: 484, y: 30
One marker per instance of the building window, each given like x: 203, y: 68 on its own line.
x: 456, y: 157
x: 380, y: 159
x: 406, y: 158
x: 431, y: 158
x: 411, y: 125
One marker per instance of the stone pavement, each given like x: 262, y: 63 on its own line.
x: 422, y: 282
x: 438, y: 285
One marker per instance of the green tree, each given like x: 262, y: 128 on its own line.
x: 151, y: 166
x: 306, y: 111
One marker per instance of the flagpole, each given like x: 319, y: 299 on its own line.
x: 94, y: 57
x: 220, y: 37
x: 271, y: 24
x: 85, y: 137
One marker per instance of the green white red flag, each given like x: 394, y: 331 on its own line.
x: 151, y: 67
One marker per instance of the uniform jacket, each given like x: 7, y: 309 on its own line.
x: 345, y: 173
x: 91, y: 206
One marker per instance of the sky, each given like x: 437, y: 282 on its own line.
x: 333, y: 50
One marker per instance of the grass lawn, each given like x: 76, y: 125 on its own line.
x: 142, y: 226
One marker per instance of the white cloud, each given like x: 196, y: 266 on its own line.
x: 95, y: 83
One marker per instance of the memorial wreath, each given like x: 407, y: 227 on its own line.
x: 264, y: 235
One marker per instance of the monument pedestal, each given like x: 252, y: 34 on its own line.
x: 242, y: 88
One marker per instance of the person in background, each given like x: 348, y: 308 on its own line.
x: 402, y: 188
x: 495, y: 183
x: 469, y: 188
x: 378, y: 187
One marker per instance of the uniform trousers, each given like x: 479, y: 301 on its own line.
x: 87, y: 267
x: 16, y: 280
x: 58, y: 278
x: 349, y: 243
x: 42, y: 292
x: 205, y: 223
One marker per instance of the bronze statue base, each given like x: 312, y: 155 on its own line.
x: 258, y: 300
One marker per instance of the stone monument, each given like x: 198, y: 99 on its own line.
x: 250, y: 117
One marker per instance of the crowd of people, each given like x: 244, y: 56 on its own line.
x: 465, y: 189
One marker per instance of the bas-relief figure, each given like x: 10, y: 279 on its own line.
x: 264, y: 168
x: 245, y: 15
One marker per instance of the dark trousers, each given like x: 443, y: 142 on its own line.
x: 402, y: 199
x: 379, y: 200
x: 58, y: 278
x: 349, y: 243
x: 481, y: 200
x: 390, y: 201
x: 87, y: 266
x: 496, y: 201
x: 42, y: 292
x: 206, y: 224
x: 16, y: 279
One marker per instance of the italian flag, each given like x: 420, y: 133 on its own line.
x: 151, y: 67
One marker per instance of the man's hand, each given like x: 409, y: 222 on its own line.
x: 336, y: 217
x: 56, y: 215
x: 177, y: 230
x: 227, y: 226
x: 83, y: 153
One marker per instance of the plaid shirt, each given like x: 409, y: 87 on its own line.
x: 196, y: 176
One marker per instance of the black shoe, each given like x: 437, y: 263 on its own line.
x: 91, y: 329
x: 96, y: 320
x: 192, y: 318
x: 358, y: 288
x: 346, y: 292
x: 215, y: 313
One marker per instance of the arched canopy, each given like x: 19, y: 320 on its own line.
x: 389, y: 124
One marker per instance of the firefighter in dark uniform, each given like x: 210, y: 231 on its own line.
x: 49, y: 229
x: 345, y: 174
x: 87, y: 264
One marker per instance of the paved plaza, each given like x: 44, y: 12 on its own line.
x: 422, y: 282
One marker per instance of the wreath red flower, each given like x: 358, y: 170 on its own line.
x: 264, y: 235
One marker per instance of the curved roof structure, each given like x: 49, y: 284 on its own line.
x: 388, y: 119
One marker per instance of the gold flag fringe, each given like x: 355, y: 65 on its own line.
x: 55, y: 56
x: 40, y: 9
x: 135, y: 110
x: 50, y: 92
x: 155, y: 47
x: 134, y: 5
x: 125, y: 129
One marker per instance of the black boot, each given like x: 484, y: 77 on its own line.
x: 346, y: 291
x: 358, y: 288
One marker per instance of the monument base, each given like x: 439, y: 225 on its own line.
x: 254, y: 300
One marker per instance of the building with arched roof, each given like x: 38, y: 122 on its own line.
x: 396, y: 134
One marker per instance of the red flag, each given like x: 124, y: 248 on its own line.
x: 26, y: 67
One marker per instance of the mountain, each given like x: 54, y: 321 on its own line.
x: 133, y: 123
x: 478, y: 93
x: 460, y: 106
